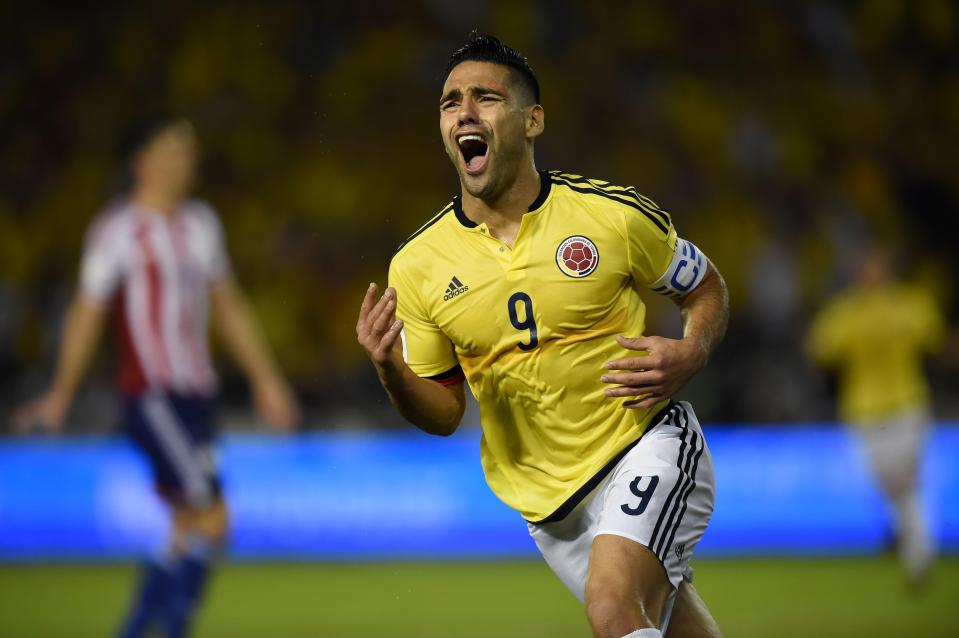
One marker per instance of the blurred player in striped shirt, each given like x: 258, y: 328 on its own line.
x: 156, y: 261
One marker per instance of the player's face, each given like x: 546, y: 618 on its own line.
x: 169, y: 160
x: 484, y: 122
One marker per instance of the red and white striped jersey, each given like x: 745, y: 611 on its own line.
x: 156, y: 271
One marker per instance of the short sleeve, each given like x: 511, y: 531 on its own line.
x: 213, y: 252
x: 930, y: 325
x: 426, y: 349
x: 659, y: 259
x: 827, y: 335
x: 104, y: 258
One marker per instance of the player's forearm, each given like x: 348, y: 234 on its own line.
x: 81, y: 332
x: 238, y: 328
x: 430, y: 406
x: 705, y: 313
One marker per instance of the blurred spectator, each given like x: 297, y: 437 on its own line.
x: 875, y: 335
x: 756, y: 124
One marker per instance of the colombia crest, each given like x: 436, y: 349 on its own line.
x: 577, y: 256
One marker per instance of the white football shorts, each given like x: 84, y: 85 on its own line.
x: 660, y: 494
x: 894, y: 445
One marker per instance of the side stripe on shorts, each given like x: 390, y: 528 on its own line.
x: 691, y: 447
x: 672, y: 493
x: 691, y: 485
x: 162, y: 419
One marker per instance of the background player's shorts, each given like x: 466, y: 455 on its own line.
x: 893, y: 445
x: 176, y: 433
x: 659, y: 495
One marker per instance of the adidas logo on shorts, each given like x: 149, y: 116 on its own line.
x: 455, y: 288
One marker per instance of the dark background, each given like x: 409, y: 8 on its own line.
x: 781, y: 136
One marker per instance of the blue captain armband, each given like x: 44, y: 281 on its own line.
x: 686, y: 271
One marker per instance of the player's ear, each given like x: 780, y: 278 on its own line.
x: 535, y: 121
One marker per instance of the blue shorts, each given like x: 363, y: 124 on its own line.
x: 176, y: 433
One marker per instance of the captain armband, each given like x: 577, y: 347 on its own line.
x: 686, y: 271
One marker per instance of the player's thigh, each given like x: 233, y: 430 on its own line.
x: 662, y: 495
x: 690, y: 617
x: 625, y: 578
x: 176, y: 435
x: 894, y: 448
x: 565, y: 545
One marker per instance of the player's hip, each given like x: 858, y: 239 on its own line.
x: 176, y: 433
x: 660, y: 495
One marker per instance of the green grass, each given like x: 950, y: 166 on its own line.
x: 824, y: 598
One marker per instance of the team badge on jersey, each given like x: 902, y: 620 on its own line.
x: 577, y: 256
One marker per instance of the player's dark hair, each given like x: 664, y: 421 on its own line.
x: 139, y: 133
x: 136, y: 136
x: 486, y: 48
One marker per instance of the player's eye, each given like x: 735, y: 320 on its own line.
x: 446, y: 106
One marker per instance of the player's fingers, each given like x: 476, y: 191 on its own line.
x: 631, y: 364
x: 26, y: 418
x: 366, y: 308
x: 389, y: 338
x: 378, y: 310
x: 635, y: 343
x: 645, y: 377
x: 385, y: 318
x: 632, y: 391
x: 369, y: 299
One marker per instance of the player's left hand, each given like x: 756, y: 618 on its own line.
x: 276, y: 404
x: 662, y: 372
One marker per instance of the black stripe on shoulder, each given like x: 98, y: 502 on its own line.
x: 424, y: 227
x: 627, y: 191
x: 622, y: 198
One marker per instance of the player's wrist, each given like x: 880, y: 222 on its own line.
x: 697, y: 350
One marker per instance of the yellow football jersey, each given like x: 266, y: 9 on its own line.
x: 876, y: 339
x: 531, y: 327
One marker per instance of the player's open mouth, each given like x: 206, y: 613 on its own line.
x: 474, y: 149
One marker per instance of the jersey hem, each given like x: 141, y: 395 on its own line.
x: 577, y: 497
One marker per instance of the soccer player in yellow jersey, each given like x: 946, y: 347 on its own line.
x: 527, y: 287
x: 876, y: 335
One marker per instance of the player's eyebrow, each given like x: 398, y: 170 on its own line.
x: 453, y: 94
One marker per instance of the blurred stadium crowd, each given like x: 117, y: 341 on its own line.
x: 781, y: 136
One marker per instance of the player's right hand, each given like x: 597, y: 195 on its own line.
x: 44, y: 414
x: 377, y: 327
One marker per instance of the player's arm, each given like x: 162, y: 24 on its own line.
x: 431, y: 406
x: 665, y: 263
x: 826, y: 334
x: 669, y: 364
x: 705, y: 315
x: 236, y: 324
x: 81, y: 333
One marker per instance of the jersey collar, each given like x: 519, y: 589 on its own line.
x: 544, y: 185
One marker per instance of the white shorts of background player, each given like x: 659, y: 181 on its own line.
x: 893, y: 447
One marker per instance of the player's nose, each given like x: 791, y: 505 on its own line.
x: 468, y: 113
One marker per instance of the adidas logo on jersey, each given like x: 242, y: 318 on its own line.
x: 456, y: 287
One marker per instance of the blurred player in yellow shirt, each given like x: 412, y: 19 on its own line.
x: 875, y: 335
